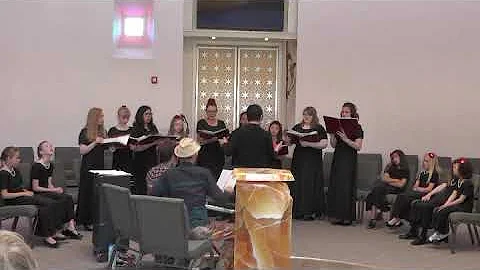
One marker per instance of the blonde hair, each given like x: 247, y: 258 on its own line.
x: 93, y: 129
x: 15, y: 254
x: 434, y: 165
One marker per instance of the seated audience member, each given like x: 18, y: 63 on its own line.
x: 275, y: 129
x: 394, y: 180
x: 41, y: 176
x: 165, y: 162
x: 251, y: 145
x: 13, y: 193
x: 15, y: 254
x: 426, y: 181
x: 190, y: 182
x: 433, y: 209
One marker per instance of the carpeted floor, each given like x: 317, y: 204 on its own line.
x: 379, y: 247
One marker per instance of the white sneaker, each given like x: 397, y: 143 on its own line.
x: 434, y: 237
x: 442, y: 237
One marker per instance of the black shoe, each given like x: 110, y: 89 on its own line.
x: 419, y: 241
x: 51, y: 245
x: 101, y: 256
x: 408, y: 236
x: 345, y: 223
x: 372, y: 224
x: 72, y: 235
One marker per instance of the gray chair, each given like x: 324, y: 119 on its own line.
x: 69, y: 159
x: 476, y: 164
x: 15, y: 212
x: 26, y: 154
x: 446, y: 166
x: 369, y: 170
x: 122, y: 219
x: 472, y: 220
x: 170, y: 238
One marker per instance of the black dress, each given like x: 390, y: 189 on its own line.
x: 122, y: 156
x: 65, y: 203
x: 277, y: 159
x: 143, y: 161
x: 343, y: 174
x: 93, y: 160
x: 48, y: 222
x: 307, y: 168
x: 211, y: 155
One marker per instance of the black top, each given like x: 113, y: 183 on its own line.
x: 252, y: 147
x: 211, y: 153
x: 341, y: 145
x: 12, y: 183
x: 95, y: 158
x: 465, y: 188
x: 40, y: 173
x: 318, y: 128
x: 148, y: 156
x: 396, y: 172
x: 424, y: 181
x: 122, y: 157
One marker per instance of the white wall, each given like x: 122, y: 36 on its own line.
x: 410, y: 66
x: 56, y: 63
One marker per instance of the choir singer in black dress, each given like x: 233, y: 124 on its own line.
x: 211, y: 155
x: 122, y: 155
x: 92, y: 150
x: 307, y: 168
x: 145, y: 155
x: 343, y: 174
x: 251, y: 145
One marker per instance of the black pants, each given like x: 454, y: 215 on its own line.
x: 65, y: 205
x: 440, y: 218
x: 48, y: 222
x: 401, y: 207
x: 422, y: 212
x: 378, y: 196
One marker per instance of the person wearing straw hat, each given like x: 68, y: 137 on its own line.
x: 191, y: 183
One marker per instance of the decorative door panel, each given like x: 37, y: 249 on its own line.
x: 257, y: 80
x: 216, y: 79
x: 237, y: 77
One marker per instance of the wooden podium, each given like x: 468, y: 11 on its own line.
x: 263, y: 219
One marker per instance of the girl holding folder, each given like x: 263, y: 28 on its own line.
x: 145, y: 155
x: 307, y: 168
x: 211, y: 155
x: 122, y: 156
x: 341, y: 190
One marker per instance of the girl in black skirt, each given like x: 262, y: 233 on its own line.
x: 394, y: 180
x: 433, y: 209
x: 279, y: 146
x: 145, y: 155
x: 307, y: 168
x: 426, y: 181
x: 13, y: 193
x: 343, y: 174
x: 41, y: 177
x: 90, y: 141
x: 122, y: 155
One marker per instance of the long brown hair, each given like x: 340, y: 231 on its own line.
x: 280, y: 132
x: 185, y: 131
x: 353, y: 109
x: 312, y: 112
x: 94, y: 130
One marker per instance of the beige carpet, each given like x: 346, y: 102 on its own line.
x: 379, y: 247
